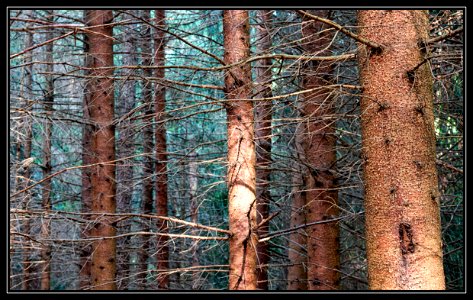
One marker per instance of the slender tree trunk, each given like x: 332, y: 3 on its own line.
x: 241, y: 173
x: 87, y: 158
x: 147, y: 196
x: 319, y: 145
x: 161, y: 154
x: 103, y: 267
x: 194, y: 206
x: 263, y: 140
x: 45, y: 266
x: 403, y: 230
x: 28, y: 88
x: 125, y: 148
x: 297, y: 269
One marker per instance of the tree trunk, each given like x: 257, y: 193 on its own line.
x: 194, y: 212
x: 126, y: 148
x: 161, y: 155
x: 45, y: 265
x: 103, y: 267
x: 147, y: 196
x: 403, y: 230
x: 241, y: 173
x: 297, y: 252
x: 263, y: 140
x: 319, y: 146
x: 28, y: 92
x: 87, y: 158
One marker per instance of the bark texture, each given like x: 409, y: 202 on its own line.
x: 319, y: 148
x: 403, y: 230
x: 161, y: 154
x: 263, y: 112
x: 241, y: 173
x: 101, y: 109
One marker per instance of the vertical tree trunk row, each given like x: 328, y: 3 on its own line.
x: 101, y: 110
x: 241, y: 173
x: 402, y: 204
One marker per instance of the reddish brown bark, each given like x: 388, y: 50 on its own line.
x: 241, y: 173
x: 161, y: 154
x: 402, y: 208
x: 297, y: 253
x: 319, y: 148
x: 45, y: 253
x: 263, y: 118
x: 101, y: 109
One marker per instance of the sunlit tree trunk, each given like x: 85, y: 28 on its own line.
x: 403, y: 230
x: 45, y: 265
x: 161, y: 154
x: 263, y: 116
x: 101, y: 109
x: 241, y: 173
x: 319, y: 147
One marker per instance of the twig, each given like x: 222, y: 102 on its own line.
x: 342, y: 29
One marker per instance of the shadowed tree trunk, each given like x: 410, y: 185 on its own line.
x: 28, y: 94
x: 263, y: 111
x: 319, y: 147
x: 45, y: 265
x: 241, y: 173
x: 147, y: 196
x: 126, y: 148
x: 403, y: 230
x: 297, y: 253
x: 161, y: 154
x: 101, y: 109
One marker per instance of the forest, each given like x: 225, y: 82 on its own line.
x: 303, y: 149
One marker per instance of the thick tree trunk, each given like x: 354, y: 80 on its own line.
x: 263, y: 111
x: 297, y: 252
x: 319, y: 147
x: 125, y: 148
x: 147, y: 195
x: 87, y: 158
x: 241, y: 173
x: 161, y: 154
x: 103, y: 267
x: 403, y: 230
x: 45, y: 265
